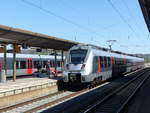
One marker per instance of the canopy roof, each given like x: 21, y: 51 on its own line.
x: 145, y: 6
x: 12, y: 35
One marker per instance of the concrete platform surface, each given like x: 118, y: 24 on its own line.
x: 25, y: 89
x: 23, y: 85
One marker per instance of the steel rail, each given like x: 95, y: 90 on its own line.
x: 65, y: 98
x: 29, y: 102
x: 129, y: 98
x: 92, y: 108
x: 48, y: 96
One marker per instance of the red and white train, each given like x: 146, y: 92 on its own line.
x: 26, y: 64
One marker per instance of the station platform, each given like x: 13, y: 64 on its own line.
x: 27, y: 88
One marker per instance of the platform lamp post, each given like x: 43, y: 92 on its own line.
x: 110, y: 43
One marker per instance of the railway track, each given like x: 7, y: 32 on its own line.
x: 5, y: 109
x: 118, y: 99
x: 43, y: 103
x: 78, y: 104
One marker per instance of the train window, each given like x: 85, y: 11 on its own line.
x: 58, y: 63
x: 108, y: 60
x: 105, y: 61
x: 101, y: 61
x: 78, y: 56
x: 44, y: 63
x: 95, y: 64
x: 52, y: 63
x: 35, y: 63
x: 117, y: 61
x: 22, y: 64
x: 17, y: 64
x: 55, y: 63
x: 120, y: 61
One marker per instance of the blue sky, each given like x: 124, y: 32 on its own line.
x: 94, y: 21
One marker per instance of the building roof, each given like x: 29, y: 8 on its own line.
x: 145, y: 6
x: 12, y: 35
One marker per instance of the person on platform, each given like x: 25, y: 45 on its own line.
x: 39, y: 68
x: 48, y: 65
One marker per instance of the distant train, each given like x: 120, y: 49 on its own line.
x: 89, y: 64
x: 26, y: 64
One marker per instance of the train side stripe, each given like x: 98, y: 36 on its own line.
x: 99, y: 66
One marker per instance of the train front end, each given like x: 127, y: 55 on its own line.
x: 76, y: 65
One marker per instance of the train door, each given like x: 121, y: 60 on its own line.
x: 99, y: 66
x: 114, y: 67
x: 29, y: 65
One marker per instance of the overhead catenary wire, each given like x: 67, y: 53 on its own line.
x: 63, y: 3
x: 75, y: 9
x: 60, y: 17
x: 78, y: 11
x: 120, y: 15
x: 69, y: 6
x: 125, y: 21
x: 132, y: 47
x: 131, y: 15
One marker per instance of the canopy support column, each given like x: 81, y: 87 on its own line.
x: 62, y: 59
x: 3, y: 65
x: 5, y: 62
x: 55, y: 53
x: 14, y: 62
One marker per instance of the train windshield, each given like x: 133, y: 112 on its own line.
x: 78, y: 56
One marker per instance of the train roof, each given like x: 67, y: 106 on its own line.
x: 10, y: 55
x: 108, y: 50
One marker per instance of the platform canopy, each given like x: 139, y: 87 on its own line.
x: 145, y: 6
x: 12, y: 35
